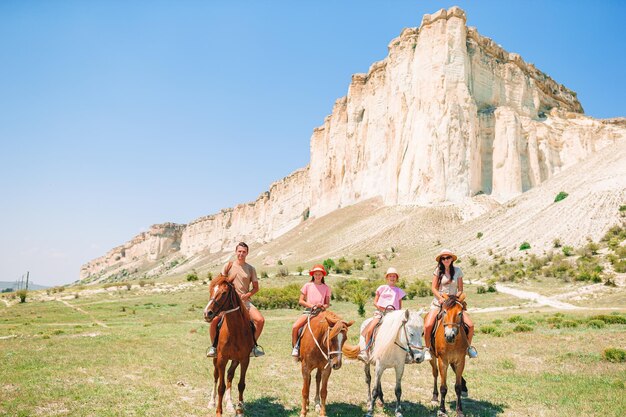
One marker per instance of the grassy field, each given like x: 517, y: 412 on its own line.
x: 138, y: 353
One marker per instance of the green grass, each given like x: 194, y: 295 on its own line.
x: 149, y: 361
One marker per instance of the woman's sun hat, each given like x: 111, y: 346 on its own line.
x: 392, y: 270
x: 445, y: 252
x: 319, y: 268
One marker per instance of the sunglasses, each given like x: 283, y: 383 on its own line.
x: 445, y: 258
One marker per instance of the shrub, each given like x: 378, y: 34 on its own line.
x: 22, y: 295
x: 524, y: 246
x: 479, y: 235
x: 192, y: 276
x: 280, y: 262
x: 614, y: 355
x: 142, y: 283
x: 359, y: 299
x: 488, y: 329
x: 299, y: 269
x: 567, y: 250
x: 560, y: 196
x: 209, y: 276
x: 556, y: 243
x: 418, y: 288
x: 609, y: 319
x: 373, y: 262
x: 343, y: 266
x: 329, y: 264
x: 521, y: 328
x: 264, y: 274
x: 282, y: 272
x: 515, y: 319
x: 596, y: 324
x: 473, y: 261
x: 568, y: 324
x: 358, y: 264
x: 128, y: 286
x: 272, y: 298
x: 481, y: 290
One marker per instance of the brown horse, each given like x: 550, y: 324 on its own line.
x: 450, y: 347
x: 320, y: 348
x: 235, y: 342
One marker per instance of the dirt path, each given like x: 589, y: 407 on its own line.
x: 537, y: 298
x: 80, y: 310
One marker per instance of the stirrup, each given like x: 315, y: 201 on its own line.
x: 211, y: 352
x: 472, y: 352
x: 256, y: 352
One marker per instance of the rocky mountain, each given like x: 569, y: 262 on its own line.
x: 448, y: 121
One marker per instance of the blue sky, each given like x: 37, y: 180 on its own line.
x: 116, y: 115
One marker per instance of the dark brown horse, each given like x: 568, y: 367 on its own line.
x: 320, y: 348
x: 235, y: 342
x: 450, y: 348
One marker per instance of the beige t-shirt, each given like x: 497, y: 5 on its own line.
x: 242, y: 276
x: 447, y: 285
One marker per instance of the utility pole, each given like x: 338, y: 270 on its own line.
x: 27, y: 275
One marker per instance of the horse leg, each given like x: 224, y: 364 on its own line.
x: 368, y: 381
x: 242, y: 386
x: 324, y: 389
x: 464, y: 391
x: 215, y: 379
x: 229, y: 383
x: 399, y: 373
x: 221, y: 387
x: 318, y: 379
x: 443, y: 370
x: 306, y: 385
x: 458, y: 386
x: 433, y: 365
x: 377, y: 391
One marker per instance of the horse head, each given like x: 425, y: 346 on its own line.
x: 452, y: 316
x: 410, y: 336
x: 337, y: 336
x: 223, y: 297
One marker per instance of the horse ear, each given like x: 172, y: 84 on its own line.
x: 445, y: 296
x: 461, y: 297
x: 348, y: 323
x: 406, y: 314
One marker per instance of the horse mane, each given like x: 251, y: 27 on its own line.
x: 450, y: 301
x: 387, y: 333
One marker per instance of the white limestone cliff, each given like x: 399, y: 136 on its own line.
x: 447, y: 115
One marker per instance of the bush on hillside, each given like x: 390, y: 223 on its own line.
x: 524, y: 246
x: 22, y: 294
x: 560, y: 196
x: 273, y: 298
x: 192, y: 276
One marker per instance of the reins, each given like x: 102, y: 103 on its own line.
x: 409, y: 348
x: 326, y: 356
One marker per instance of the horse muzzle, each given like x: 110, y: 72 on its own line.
x: 209, y: 315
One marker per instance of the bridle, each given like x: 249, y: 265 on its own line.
x: 231, y: 296
x: 409, y: 348
x: 327, y: 356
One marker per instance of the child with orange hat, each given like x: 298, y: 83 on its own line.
x: 314, y: 295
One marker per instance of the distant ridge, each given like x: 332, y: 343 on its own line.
x: 13, y: 285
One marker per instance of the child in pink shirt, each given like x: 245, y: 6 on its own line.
x: 315, y: 294
x: 387, y: 296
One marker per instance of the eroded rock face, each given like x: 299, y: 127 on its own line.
x: 447, y: 115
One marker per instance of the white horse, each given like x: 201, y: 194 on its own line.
x: 398, y: 341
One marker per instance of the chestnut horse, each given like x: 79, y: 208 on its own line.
x: 235, y: 342
x: 320, y: 348
x: 450, y: 347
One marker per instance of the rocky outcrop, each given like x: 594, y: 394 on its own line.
x: 447, y: 115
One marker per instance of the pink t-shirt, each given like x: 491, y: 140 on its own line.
x: 314, y: 294
x: 389, y: 296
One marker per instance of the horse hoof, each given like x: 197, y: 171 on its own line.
x: 398, y: 414
x: 317, y: 408
x: 434, y: 401
x: 464, y: 394
x: 230, y: 408
x: 368, y: 415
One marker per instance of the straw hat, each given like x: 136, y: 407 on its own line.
x: 392, y: 270
x: 446, y: 252
x: 318, y: 267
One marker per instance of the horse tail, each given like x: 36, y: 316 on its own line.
x: 350, y: 351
